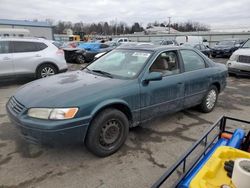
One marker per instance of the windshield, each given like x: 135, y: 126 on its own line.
x: 121, y: 63
x: 157, y: 42
x: 226, y: 43
x: 247, y: 44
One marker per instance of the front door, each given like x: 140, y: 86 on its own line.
x: 166, y: 95
x: 6, y: 60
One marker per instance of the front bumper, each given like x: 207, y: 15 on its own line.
x: 59, y: 132
x: 221, y: 52
x: 238, y: 72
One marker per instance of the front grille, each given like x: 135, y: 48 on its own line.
x: 15, y: 106
x: 244, y: 59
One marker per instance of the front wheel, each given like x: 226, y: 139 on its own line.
x: 210, y: 99
x: 107, y: 132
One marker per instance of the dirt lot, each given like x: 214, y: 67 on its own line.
x: 148, y: 151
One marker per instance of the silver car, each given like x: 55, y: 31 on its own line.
x: 30, y: 57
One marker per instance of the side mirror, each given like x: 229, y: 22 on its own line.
x: 204, y: 40
x: 153, y: 76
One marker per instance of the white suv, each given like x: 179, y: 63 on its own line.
x: 30, y: 57
x: 239, y: 62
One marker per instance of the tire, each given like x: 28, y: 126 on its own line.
x: 46, y: 70
x: 210, y: 99
x: 99, y: 139
x: 80, y: 59
x: 214, y: 56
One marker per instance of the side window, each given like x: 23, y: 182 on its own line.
x: 192, y: 61
x: 166, y: 63
x: 20, y: 46
x: 40, y: 46
x: 4, y: 47
x: 125, y: 40
x: 169, y: 42
x: 203, y: 47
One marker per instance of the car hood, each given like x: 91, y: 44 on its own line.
x: 65, y: 89
x: 243, y: 51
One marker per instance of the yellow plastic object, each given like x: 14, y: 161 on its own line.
x: 212, y: 174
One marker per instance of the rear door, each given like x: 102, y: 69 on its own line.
x: 196, y: 77
x: 6, y: 59
x: 26, y: 57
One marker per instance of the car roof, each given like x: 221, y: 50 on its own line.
x: 149, y: 47
x: 34, y: 39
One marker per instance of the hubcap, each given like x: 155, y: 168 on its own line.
x: 110, y: 133
x: 81, y: 59
x: 47, y: 71
x: 211, y: 98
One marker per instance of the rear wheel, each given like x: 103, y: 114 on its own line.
x: 210, y: 99
x: 80, y: 59
x: 107, y: 132
x: 46, y: 70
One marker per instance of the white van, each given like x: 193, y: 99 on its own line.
x: 13, y: 32
x: 191, y: 40
x: 121, y: 40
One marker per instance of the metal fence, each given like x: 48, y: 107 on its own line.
x: 211, y: 37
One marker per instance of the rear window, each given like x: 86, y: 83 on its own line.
x: 57, y: 44
x: 21, y: 46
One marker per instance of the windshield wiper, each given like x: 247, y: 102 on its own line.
x: 102, y: 72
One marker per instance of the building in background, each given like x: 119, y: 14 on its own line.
x: 157, y: 30
x: 36, y: 28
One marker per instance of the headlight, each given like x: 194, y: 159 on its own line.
x: 234, y: 57
x: 52, y: 113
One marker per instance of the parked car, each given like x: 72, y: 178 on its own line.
x: 225, y: 48
x: 89, y: 50
x: 239, y: 62
x: 30, y: 57
x: 122, y: 89
x: 201, y: 47
x: 165, y: 42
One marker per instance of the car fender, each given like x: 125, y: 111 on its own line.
x: 108, y: 103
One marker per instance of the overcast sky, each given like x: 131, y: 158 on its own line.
x: 216, y: 13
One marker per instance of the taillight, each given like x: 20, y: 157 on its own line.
x: 59, y: 52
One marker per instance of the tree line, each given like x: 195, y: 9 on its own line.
x: 114, y: 28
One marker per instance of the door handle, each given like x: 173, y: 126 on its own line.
x: 37, y: 55
x: 6, y: 58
